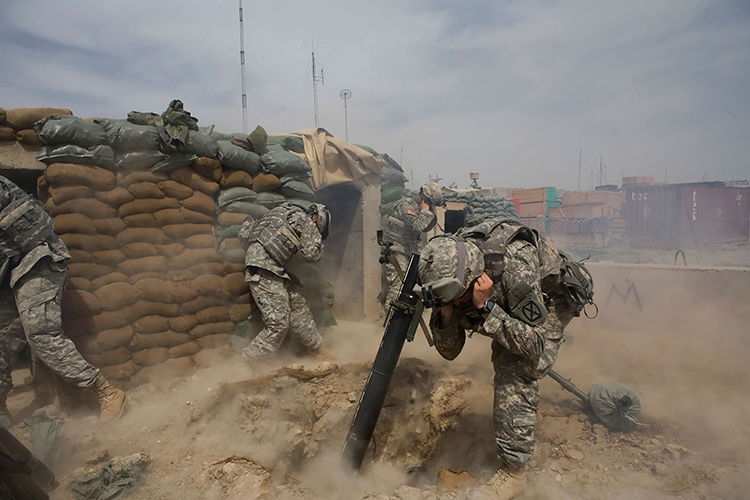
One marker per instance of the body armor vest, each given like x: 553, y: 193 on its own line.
x: 399, y: 232
x: 23, y: 222
x: 275, y: 233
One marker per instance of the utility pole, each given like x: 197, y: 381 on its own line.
x: 315, y: 80
x: 242, y: 71
x: 580, y: 157
x: 346, y: 94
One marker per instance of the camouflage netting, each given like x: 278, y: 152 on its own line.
x: 149, y: 211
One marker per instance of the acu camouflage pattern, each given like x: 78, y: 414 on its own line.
x: 23, y: 222
x: 403, y: 224
x: 36, y: 301
x: 284, y: 312
x: 521, y: 353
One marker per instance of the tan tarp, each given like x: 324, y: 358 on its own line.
x: 335, y: 161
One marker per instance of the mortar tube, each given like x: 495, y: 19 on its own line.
x: 376, y: 387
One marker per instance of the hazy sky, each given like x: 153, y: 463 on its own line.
x: 511, y: 89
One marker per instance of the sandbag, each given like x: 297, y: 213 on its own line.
x: 67, y: 174
x: 170, y: 249
x: 206, y: 329
x: 227, y: 196
x: 149, y: 357
x: 138, y: 160
x: 107, y: 320
x: 189, y: 257
x: 258, y: 140
x: 192, y: 179
x: 143, y: 341
x: 147, y: 206
x: 101, y: 156
x: 390, y: 177
x: 116, y: 296
x: 23, y: 118
x: 7, y: 134
x: 142, y: 265
x: 232, y: 156
x: 288, y: 142
x: 78, y: 303
x: 201, y: 144
x: 391, y: 194
x: 139, y: 249
x: 193, y: 217
x: 144, y: 308
x: 126, y: 136
x: 120, y: 371
x: 235, y: 283
x: 110, y: 226
x: 183, y: 323
x: 209, y: 285
x: 266, y: 182
x: 113, y: 357
x: 79, y: 283
x: 239, y: 312
x: 151, y: 235
x: 234, y: 178
x: 235, y: 219
x: 87, y: 270
x: 227, y: 231
x: 216, y: 340
x: 201, y: 302
x: 87, y: 206
x: 74, y: 223
x: 185, y: 349
x: 200, y: 202
x: 213, y: 314
x: 174, y: 161
x: 61, y: 194
x: 297, y: 190
x: 283, y: 162
x: 270, y: 200
x: 126, y: 178
x: 114, y: 338
x: 108, y: 257
x: 183, y: 291
x: 142, y: 220
x: 29, y: 138
x: 89, y: 242
x: 200, y: 241
x: 66, y: 129
x: 145, y: 190
x: 169, y: 216
x: 210, y: 168
x: 2, y: 115
x: 79, y: 255
x: 174, y: 189
x: 153, y: 290
x: 150, y: 324
x: 245, y: 208
x: 179, y: 232
x: 113, y: 277
x: 114, y: 197
x: 232, y: 246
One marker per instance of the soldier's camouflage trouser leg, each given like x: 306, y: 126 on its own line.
x: 517, y: 397
x: 37, y: 302
x: 393, y: 282
x: 284, y: 311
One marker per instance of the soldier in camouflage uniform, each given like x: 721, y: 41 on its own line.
x: 404, y: 222
x: 33, y: 271
x: 518, y: 289
x: 271, y: 242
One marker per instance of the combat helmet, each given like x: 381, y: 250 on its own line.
x: 433, y: 194
x: 578, y: 281
x: 324, y: 218
x: 448, y: 266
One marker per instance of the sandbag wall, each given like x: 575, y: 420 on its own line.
x: 18, y: 124
x: 146, y: 283
x: 483, y: 207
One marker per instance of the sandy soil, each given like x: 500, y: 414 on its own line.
x: 231, y: 430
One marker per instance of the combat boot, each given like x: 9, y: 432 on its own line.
x: 111, y: 400
x: 503, y: 485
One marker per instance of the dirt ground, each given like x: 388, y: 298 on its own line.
x: 710, y: 254
x: 231, y: 430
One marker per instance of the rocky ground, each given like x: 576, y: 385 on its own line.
x: 230, y: 430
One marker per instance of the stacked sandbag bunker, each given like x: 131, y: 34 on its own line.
x: 478, y: 207
x: 17, y: 125
x: 147, y: 207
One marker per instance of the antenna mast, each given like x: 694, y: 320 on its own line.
x: 315, y: 80
x: 242, y: 71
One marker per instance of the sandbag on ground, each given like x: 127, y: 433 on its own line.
x: 7, y: 134
x: 29, y: 138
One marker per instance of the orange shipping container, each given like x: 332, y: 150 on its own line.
x: 532, y: 209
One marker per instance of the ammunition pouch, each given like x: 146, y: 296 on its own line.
x: 23, y: 225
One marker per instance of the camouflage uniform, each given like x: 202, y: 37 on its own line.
x: 521, y: 353
x: 32, y: 277
x: 403, y: 225
x: 272, y: 241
